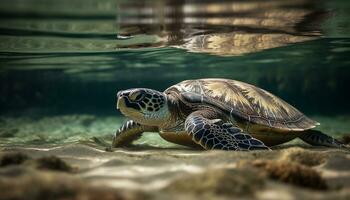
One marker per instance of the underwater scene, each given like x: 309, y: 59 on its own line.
x: 62, y: 64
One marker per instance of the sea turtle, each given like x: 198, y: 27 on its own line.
x: 215, y: 114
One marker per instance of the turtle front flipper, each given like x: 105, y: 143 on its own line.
x: 211, y: 133
x: 317, y: 138
x: 129, y: 132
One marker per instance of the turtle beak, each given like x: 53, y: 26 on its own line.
x: 120, y: 99
x: 120, y: 103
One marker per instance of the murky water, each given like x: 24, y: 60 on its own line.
x: 62, y: 62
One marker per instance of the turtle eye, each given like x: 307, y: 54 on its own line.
x: 136, y: 96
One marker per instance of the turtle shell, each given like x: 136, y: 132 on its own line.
x: 247, y: 102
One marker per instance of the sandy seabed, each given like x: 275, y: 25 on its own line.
x: 82, y: 171
x: 64, y: 157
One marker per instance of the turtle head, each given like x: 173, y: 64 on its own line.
x: 145, y: 106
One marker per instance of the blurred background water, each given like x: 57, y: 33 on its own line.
x: 62, y: 62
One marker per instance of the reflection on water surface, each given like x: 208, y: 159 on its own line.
x: 221, y: 28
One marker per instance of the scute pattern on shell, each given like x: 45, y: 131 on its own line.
x: 248, y: 102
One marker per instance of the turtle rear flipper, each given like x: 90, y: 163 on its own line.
x: 214, y: 134
x: 317, y: 138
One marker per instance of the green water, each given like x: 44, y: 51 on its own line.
x: 62, y: 62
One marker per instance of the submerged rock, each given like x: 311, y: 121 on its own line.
x: 304, y: 157
x: 31, y: 184
x: 51, y: 163
x: 47, y: 163
x: 220, y: 182
x: 12, y: 159
x: 292, y: 173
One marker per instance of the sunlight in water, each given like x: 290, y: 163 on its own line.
x: 63, y: 62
